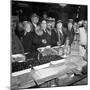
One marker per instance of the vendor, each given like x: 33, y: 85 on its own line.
x: 51, y: 31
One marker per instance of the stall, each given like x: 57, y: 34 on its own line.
x: 62, y: 70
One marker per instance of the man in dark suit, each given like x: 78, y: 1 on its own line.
x: 60, y: 32
x: 52, y: 31
x: 70, y: 33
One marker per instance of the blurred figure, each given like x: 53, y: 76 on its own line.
x: 44, y: 25
x: 75, y: 27
x: 65, y: 31
x: 17, y: 47
x: 83, y: 33
x: 85, y: 24
x: 53, y: 24
x: 45, y: 15
x: 83, y: 37
x: 19, y: 30
x: 70, y: 31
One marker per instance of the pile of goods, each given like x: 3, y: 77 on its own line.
x: 49, y: 51
x: 59, y: 50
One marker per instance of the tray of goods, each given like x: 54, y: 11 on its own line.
x: 49, y: 51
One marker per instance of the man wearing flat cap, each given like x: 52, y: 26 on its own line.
x: 60, y: 31
x: 52, y: 35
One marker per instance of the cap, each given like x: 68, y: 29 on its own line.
x: 59, y: 21
x: 50, y: 19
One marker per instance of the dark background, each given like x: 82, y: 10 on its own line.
x: 25, y: 9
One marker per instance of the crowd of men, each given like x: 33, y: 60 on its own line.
x: 29, y: 35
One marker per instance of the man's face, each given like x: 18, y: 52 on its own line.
x: 59, y: 25
x: 44, y: 16
x: 43, y: 24
x: 27, y: 26
x: 49, y: 25
x: 70, y: 25
x: 35, y: 20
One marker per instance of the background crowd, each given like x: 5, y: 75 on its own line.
x: 29, y: 35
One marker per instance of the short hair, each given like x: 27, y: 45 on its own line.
x: 34, y: 15
x: 27, y: 22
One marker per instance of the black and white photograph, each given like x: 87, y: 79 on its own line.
x: 49, y: 44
